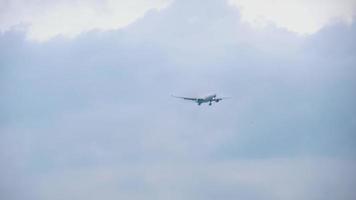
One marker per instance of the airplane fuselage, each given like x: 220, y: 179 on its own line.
x: 208, y: 99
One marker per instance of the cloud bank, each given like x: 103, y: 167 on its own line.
x: 46, y: 19
x: 92, y: 117
x: 303, y: 17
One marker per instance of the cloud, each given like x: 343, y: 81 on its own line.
x: 292, y: 179
x: 300, y: 16
x: 92, y: 117
x: 101, y: 76
x: 46, y: 19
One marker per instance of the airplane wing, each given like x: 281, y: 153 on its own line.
x: 186, y: 98
x: 221, y: 98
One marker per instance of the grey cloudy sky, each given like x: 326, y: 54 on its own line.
x: 86, y: 111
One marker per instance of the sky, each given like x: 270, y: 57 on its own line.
x: 87, y: 113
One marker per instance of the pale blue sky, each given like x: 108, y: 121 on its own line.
x: 89, y: 115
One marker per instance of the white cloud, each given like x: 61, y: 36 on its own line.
x: 45, y: 19
x: 300, y: 16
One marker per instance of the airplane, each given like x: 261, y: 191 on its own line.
x: 208, y: 99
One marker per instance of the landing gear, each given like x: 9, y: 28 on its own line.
x: 210, y: 103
